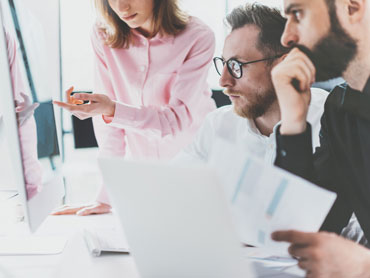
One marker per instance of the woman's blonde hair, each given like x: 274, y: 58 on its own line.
x: 167, y: 19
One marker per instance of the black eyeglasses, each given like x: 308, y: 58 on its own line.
x: 235, y: 67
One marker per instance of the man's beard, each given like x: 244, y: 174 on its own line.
x: 259, y: 106
x: 333, y: 53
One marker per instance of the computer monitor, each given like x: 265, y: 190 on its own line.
x: 30, y: 133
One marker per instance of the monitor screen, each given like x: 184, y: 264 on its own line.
x: 33, y: 65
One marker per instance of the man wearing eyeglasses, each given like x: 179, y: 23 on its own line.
x: 250, y: 52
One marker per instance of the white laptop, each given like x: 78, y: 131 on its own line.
x: 176, y: 220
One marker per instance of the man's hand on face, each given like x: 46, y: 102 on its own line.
x: 292, y: 79
x: 327, y: 255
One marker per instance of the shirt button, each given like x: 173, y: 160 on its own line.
x: 144, y: 43
x: 142, y: 68
x: 283, y: 153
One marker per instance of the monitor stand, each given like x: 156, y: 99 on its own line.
x: 15, y: 236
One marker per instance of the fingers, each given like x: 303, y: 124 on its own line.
x: 63, y: 105
x: 301, y: 68
x: 68, y: 94
x: 73, y: 107
x: 35, y: 105
x: 294, y: 237
x: 308, y: 63
x: 301, y: 251
x: 95, y: 209
x: 66, y: 209
x: 86, y: 96
x: 70, y: 98
x: 26, y: 98
x: 75, y: 101
x: 304, y: 264
x: 302, y: 77
x: 80, y: 111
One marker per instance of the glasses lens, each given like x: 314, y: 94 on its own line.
x: 234, y: 68
x: 219, y: 65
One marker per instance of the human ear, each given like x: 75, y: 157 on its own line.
x: 356, y: 10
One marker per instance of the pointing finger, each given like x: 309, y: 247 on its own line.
x: 294, y: 237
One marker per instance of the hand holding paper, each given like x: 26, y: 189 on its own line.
x: 268, y: 199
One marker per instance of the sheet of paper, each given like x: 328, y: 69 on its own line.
x: 266, y: 199
x: 249, y: 211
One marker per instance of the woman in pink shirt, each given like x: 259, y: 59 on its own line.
x: 151, y: 93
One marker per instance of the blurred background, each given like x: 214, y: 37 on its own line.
x: 66, y: 27
x: 77, y: 18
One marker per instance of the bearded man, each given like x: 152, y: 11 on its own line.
x: 251, y: 50
x: 329, y: 38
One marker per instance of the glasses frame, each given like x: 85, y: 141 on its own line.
x: 241, y: 64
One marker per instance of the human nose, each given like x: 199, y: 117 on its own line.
x: 123, y: 5
x: 290, y: 35
x: 226, y: 80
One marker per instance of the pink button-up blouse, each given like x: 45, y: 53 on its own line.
x: 160, y: 89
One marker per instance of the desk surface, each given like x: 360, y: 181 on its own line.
x: 75, y: 261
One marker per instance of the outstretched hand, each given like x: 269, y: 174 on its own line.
x: 25, y: 109
x: 98, y: 104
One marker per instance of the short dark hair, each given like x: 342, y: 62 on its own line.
x: 270, y: 22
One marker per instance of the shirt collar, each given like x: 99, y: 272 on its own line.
x: 366, y: 89
x: 165, y: 38
x: 253, y: 130
x: 161, y: 37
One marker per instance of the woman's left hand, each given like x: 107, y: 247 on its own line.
x: 99, y: 104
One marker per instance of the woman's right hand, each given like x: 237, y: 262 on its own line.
x: 95, y: 208
x: 98, y: 104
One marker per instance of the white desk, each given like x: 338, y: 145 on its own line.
x: 75, y: 261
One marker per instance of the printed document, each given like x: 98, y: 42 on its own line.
x: 264, y: 198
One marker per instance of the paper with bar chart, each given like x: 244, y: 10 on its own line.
x: 266, y: 199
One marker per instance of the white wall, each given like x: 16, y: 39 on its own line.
x: 78, y: 17
x: 272, y: 3
x: 39, y: 21
x: 212, y: 13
